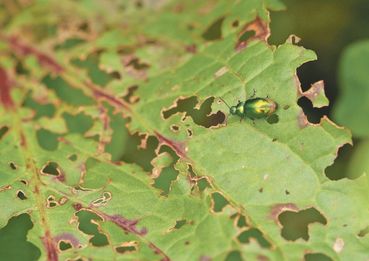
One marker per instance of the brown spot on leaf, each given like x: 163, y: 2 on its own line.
x: 302, y: 120
x: 279, y: 208
x: 262, y: 258
x: 7, y: 187
x: 67, y: 237
x: 192, y: 48
x: 77, y: 206
x: 316, y: 90
x: 5, y: 87
x: 205, y: 258
x: 261, y: 32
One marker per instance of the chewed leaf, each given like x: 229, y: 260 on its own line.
x: 116, y: 137
x: 316, y: 95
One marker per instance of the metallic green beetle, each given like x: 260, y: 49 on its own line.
x: 253, y: 108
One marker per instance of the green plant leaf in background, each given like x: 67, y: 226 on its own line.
x: 115, y: 143
x: 352, y: 105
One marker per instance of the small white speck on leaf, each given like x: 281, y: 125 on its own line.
x: 221, y: 72
x: 338, y: 245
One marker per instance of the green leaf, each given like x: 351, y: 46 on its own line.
x: 352, y: 104
x: 116, y: 146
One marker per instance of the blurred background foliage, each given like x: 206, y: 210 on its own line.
x: 331, y: 28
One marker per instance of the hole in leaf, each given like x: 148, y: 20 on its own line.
x: 189, y: 132
x: 174, y: 128
x: 313, y: 114
x: 130, y: 97
x: 67, y: 93
x: 63, y: 245
x: 246, y: 36
x: 137, y: 65
x: 256, y: 234
x: 13, y: 240
x: 202, y: 184
x: 180, y: 223
x: 364, y: 232
x: 41, y: 110
x: 317, y: 257
x: 273, y: 119
x: 91, y: 65
x: 87, y: 224
x: 126, y: 147
x: 219, y: 202
x: 261, y: 190
x: 234, y: 256
x: 21, y: 195
x: 78, y: 123
x: 339, y: 169
x: 241, y: 221
x: 127, y: 249
x: 168, y: 174
x: 69, y: 43
x: 3, y: 130
x: 235, y: 23
x: 73, y: 157
x: 51, y: 168
x: 295, y: 224
x: 47, y: 139
x: 286, y: 192
x: 199, y: 116
x: 12, y: 166
x: 214, y: 31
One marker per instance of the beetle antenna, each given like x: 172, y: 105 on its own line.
x: 224, y: 102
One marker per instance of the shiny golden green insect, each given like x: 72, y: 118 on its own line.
x: 253, y: 108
